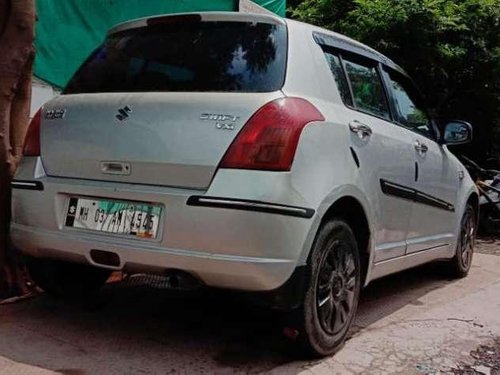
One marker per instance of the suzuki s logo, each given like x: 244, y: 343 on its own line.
x: 123, y: 113
x: 222, y: 122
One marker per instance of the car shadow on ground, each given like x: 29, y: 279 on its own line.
x: 133, y: 328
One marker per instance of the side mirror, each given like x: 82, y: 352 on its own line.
x: 457, y: 133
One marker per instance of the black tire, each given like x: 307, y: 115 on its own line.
x: 332, y: 293
x: 460, y: 264
x: 66, y: 280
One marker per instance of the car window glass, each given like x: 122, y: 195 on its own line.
x: 410, y: 109
x: 367, y: 89
x: 222, y: 56
x: 340, y: 78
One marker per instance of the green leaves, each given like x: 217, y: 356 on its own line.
x: 450, y: 47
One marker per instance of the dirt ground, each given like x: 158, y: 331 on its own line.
x: 488, y: 245
x: 485, y: 359
x: 415, y: 322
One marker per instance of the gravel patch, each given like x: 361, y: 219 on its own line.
x: 486, y: 361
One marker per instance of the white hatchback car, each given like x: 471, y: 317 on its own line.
x: 247, y: 152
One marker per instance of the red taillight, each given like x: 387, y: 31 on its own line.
x: 268, y: 140
x: 32, y: 140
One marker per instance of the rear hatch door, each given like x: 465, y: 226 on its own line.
x: 171, y: 139
x: 161, y: 100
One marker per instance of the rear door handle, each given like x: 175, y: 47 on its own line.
x: 115, y: 167
x: 362, y: 130
x: 421, y: 147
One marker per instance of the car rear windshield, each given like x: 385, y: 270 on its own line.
x: 187, y: 56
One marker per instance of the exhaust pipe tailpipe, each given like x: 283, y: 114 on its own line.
x: 174, y: 279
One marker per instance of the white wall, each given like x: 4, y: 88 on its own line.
x: 40, y: 94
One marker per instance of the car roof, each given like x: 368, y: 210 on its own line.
x: 342, y: 42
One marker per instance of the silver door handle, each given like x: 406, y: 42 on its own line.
x: 362, y: 130
x: 115, y: 167
x: 421, y: 147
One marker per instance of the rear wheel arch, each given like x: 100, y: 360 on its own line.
x: 352, y: 212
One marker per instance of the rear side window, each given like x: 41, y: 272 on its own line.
x: 367, y: 89
x: 338, y: 73
x: 187, y: 56
x: 409, y: 105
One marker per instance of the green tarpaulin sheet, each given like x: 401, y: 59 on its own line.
x: 68, y: 30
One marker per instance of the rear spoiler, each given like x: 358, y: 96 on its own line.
x: 267, y: 17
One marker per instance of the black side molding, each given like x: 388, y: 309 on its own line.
x: 26, y: 185
x: 250, y: 205
x: 404, y: 192
x: 396, y: 190
x: 434, y: 202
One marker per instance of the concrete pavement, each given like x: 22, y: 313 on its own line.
x: 411, y: 323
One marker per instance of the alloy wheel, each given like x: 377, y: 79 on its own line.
x: 335, y: 289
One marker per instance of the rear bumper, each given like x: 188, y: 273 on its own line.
x: 217, y: 270
x: 245, y: 245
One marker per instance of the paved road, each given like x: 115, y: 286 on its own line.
x: 415, y: 322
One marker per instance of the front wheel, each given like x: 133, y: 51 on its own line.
x: 66, y: 280
x: 331, y: 299
x: 460, y: 265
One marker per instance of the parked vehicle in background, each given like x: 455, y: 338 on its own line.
x: 246, y: 152
x: 488, y: 185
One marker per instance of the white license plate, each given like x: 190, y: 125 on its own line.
x: 111, y: 216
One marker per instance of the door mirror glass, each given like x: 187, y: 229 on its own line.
x: 457, y: 132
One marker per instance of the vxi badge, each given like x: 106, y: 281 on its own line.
x: 222, y: 122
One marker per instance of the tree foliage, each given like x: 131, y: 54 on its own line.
x: 450, y: 47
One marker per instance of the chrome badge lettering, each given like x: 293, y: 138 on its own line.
x: 54, y: 114
x: 222, y: 122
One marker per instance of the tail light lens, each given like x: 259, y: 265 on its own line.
x: 269, y: 139
x: 32, y: 140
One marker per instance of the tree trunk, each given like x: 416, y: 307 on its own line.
x: 17, y: 18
